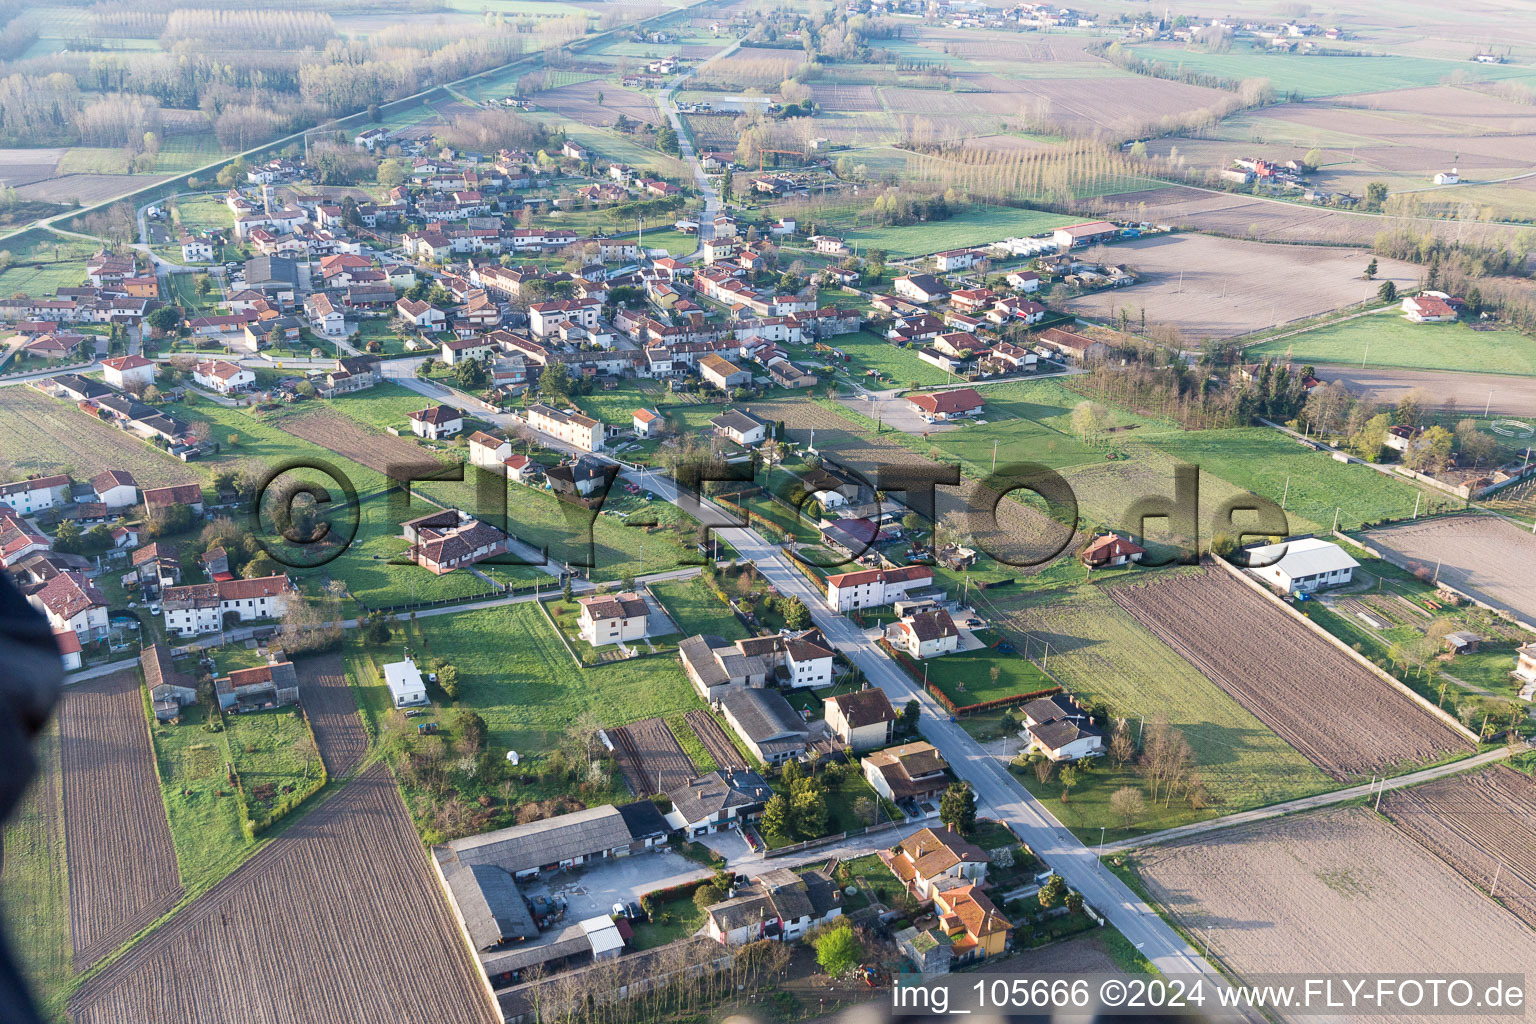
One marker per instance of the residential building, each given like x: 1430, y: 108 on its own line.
x: 1071, y: 345
x: 581, y: 478
x: 740, y: 426
x: 489, y: 451
x: 717, y: 667
x: 36, y: 494
x: 124, y: 372
x: 221, y: 376
x: 830, y: 245
x: 115, y: 488
x: 421, y: 314
x: 71, y: 654
x: 772, y: 730
x: 913, y: 772
x: 450, y: 539
x: 406, y: 687
x: 436, y: 422
x: 920, y: 288
x: 942, y: 406
x: 203, y: 607
x: 1428, y: 309
x: 862, y: 720
x: 259, y: 688
x: 719, y: 800
x: 957, y: 259
x: 72, y: 602
x: 191, y: 495
x: 1024, y: 281
x: 1302, y: 566
x: 648, y: 423
x: 1061, y: 729
x: 352, y: 373
x: 975, y: 927
x: 779, y: 904
x: 19, y: 539
x: 721, y: 373
x: 325, y: 317
x: 462, y: 350
x: 613, y: 618
x: 871, y: 588
x: 1525, y: 664
x: 932, y: 859
x: 924, y: 634
x: 276, y: 277
x: 574, y: 428
x: 1109, y: 550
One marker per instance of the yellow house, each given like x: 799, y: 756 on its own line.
x: 975, y: 927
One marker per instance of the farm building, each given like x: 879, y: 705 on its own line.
x: 766, y: 723
x: 914, y: 772
x: 1084, y: 234
x: 1525, y: 663
x: 169, y: 689
x: 406, y: 687
x: 862, y: 720
x: 1074, y: 346
x: 941, y: 406
x: 1302, y: 565
x: 1061, y: 729
x: 273, y: 685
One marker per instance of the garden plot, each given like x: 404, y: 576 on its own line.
x: 41, y: 435
x: 1343, y: 717
x: 650, y: 757
x: 1340, y: 890
x: 1483, y: 825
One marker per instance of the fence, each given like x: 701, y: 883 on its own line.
x: 811, y: 844
x: 959, y: 710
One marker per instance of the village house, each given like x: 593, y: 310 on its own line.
x: 1302, y: 566
x: 871, y: 588
x: 1060, y: 728
x: 862, y: 720
x: 520, y: 469
x: 19, y: 539
x: 1426, y: 308
x: 1109, y: 550
x: 780, y: 904
x: 580, y: 478
x: 830, y: 245
x: 924, y: 634
x: 488, y: 451
x: 156, y: 565
x: 1023, y: 280
x: 461, y: 350
x: 421, y: 315
x: 325, y: 318
x: 718, y: 800
x: 170, y: 689
x: 72, y: 602
x: 739, y: 426
x: 352, y: 373
x: 203, y: 607
x: 942, y: 406
x: 647, y: 423
x: 406, y: 686
x: 721, y: 373
x: 436, y: 422
x: 444, y: 541
x: 574, y: 428
x: 125, y: 372
x: 972, y: 924
x: 1076, y: 347
x: 920, y: 288
x: 932, y: 859
x: 37, y: 494
x: 115, y: 488
x: 158, y: 498
x: 612, y: 618
x: 913, y: 773
x: 715, y: 666
x: 957, y: 259
x: 224, y: 377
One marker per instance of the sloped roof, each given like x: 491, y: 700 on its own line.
x: 491, y: 905
x: 524, y: 847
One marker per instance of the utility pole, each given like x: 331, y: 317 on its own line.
x: 1488, y: 404
x: 994, y: 454
x: 1367, y: 353
x: 1287, y: 496
x: 1416, y: 499
x: 1493, y: 890
x: 1336, y: 511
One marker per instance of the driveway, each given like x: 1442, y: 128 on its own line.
x: 592, y: 892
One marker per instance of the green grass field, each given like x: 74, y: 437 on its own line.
x: 976, y: 226
x: 1101, y: 654
x: 1315, y: 76
x: 382, y: 406
x: 202, y: 807
x: 1029, y: 420
x: 696, y: 610
x: 39, y: 279
x: 34, y: 885
x: 266, y: 747
x: 897, y: 367
x: 514, y: 672
x: 965, y: 676
x: 1310, y: 485
x: 1387, y: 339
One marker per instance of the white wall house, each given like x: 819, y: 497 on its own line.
x: 1303, y: 565
x: 872, y: 588
x: 612, y: 618
x: 406, y: 687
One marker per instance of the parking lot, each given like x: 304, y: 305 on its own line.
x: 592, y: 891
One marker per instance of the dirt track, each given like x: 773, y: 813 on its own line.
x: 338, y: 920
x: 332, y: 713
x: 122, y: 863
x: 1512, y: 396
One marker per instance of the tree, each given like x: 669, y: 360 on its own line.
x: 392, y: 172
x: 777, y: 821
x: 260, y: 567
x: 1369, y: 440
x: 555, y: 381
x: 809, y: 807
x: 957, y: 807
x: 796, y: 615
x: 909, y: 716
x: 1121, y: 747
x: 864, y: 809
x: 1387, y: 292
x: 1088, y: 421
x: 1313, y: 160
x: 1473, y: 443
x: 1044, y: 769
x: 838, y: 949
x: 1430, y: 452
x: 1052, y: 891
x: 1068, y: 780
x: 448, y: 679
x: 164, y: 319
x: 1375, y: 194
x: 1128, y: 804
x: 1370, y: 269
x: 1074, y: 902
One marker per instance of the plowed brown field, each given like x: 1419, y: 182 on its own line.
x: 332, y: 712
x: 122, y: 864
x: 1342, y: 717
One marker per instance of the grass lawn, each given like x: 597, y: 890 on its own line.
x: 1314, y: 76
x: 378, y: 329
x: 878, y: 882
x: 966, y: 676
x: 34, y: 896
x: 1029, y: 421
x: 617, y: 406
x: 1101, y: 654
x: 267, y: 747
x: 202, y: 807
x: 670, y: 921
x: 382, y: 406
x: 39, y: 279
x: 203, y: 212
x: 976, y: 226
x: 1387, y: 339
x: 515, y: 673
x: 897, y: 367
x: 232, y: 657
x: 689, y: 740
x: 1309, y: 484
x: 696, y: 610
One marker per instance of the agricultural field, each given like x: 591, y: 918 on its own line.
x: 1344, y: 718
x: 696, y: 610
x: 34, y: 880
x: 1388, y: 339
x: 1338, y: 890
x: 122, y: 863
x: 1213, y: 288
x: 716, y: 741
x: 278, y: 764
x: 1102, y: 654
x: 332, y: 712
x: 515, y: 673
x: 650, y: 757
x: 580, y: 101
x: 977, y: 225
x: 1483, y: 824
x: 204, y: 813
x: 312, y: 873
x: 1487, y: 557
x: 39, y: 434
x: 1318, y: 76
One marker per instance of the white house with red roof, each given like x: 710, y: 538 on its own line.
x: 871, y: 588
x: 201, y: 607
x: 940, y: 406
x: 123, y: 372
x: 115, y: 488
x: 1109, y: 550
x: 221, y: 376
x: 648, y: 423
x: 36, y: 494
x: 1428, y: 308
